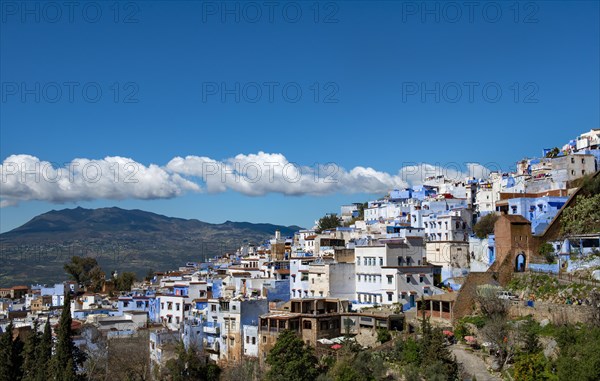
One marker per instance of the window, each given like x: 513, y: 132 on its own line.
x: 264, y: 339
x: 247, y: 339
x: 380, y: 261
x: 177, y: 306
x: 213, y: 307
x: 390, y: 279
x: 253, y: 340
x: 421, y: 279
x: 408, y: 279
x: 389, y: 296
x: 307, y: 324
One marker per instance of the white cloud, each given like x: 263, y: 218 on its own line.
x: 25, y: 177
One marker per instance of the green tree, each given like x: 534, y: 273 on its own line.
x: 554, y: 152
x: 359, y: 366
x: 44, y: 353
x: 149, y: 275
x: 579, y: 357
x: 291, y: 360
x: 532, y: 367
x: 188, y: 366
x: 85, y: 271
x: 361, y: 210
x: 546, y: 250
x: 30, y: 352
x: 124, y: 281
x: 530, y: 337
x: 67, y: 356
x: 410, y: 352
x: 435, y: 355
x: 485, y: 225
x: 583, y: 217
x: 328, y: 221
x: 10, y: 355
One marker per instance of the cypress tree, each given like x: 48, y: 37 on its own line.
x: 5, y: 353
x: 63, y: 364
x: 30, y: 354
x: 10, y: 356
x: 44, y: 354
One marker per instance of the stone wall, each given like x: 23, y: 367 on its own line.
x: 555, y: 313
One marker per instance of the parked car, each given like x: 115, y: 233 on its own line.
x: 506, y: 295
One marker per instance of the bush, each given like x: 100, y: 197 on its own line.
x: 546, y: 250
x: 383, y: 335
x: 461, y: 330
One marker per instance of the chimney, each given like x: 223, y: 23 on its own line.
x: 277, y: 234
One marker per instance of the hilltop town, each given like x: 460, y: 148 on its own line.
x: 380, y: 271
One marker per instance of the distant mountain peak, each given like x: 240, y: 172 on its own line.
x: 142, y: 239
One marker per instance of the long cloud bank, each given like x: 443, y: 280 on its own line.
x: 25, y: 177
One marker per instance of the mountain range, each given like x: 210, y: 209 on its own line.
x: 122, y: 240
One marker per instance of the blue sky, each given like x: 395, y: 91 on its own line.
x: 369, y: 74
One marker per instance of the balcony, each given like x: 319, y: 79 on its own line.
x: 212, y: 328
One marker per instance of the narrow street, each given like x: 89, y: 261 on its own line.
x: 472, y: 364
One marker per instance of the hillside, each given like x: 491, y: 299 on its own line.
x: 123, y: 240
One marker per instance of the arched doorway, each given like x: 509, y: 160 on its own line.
x: 520, y: 262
